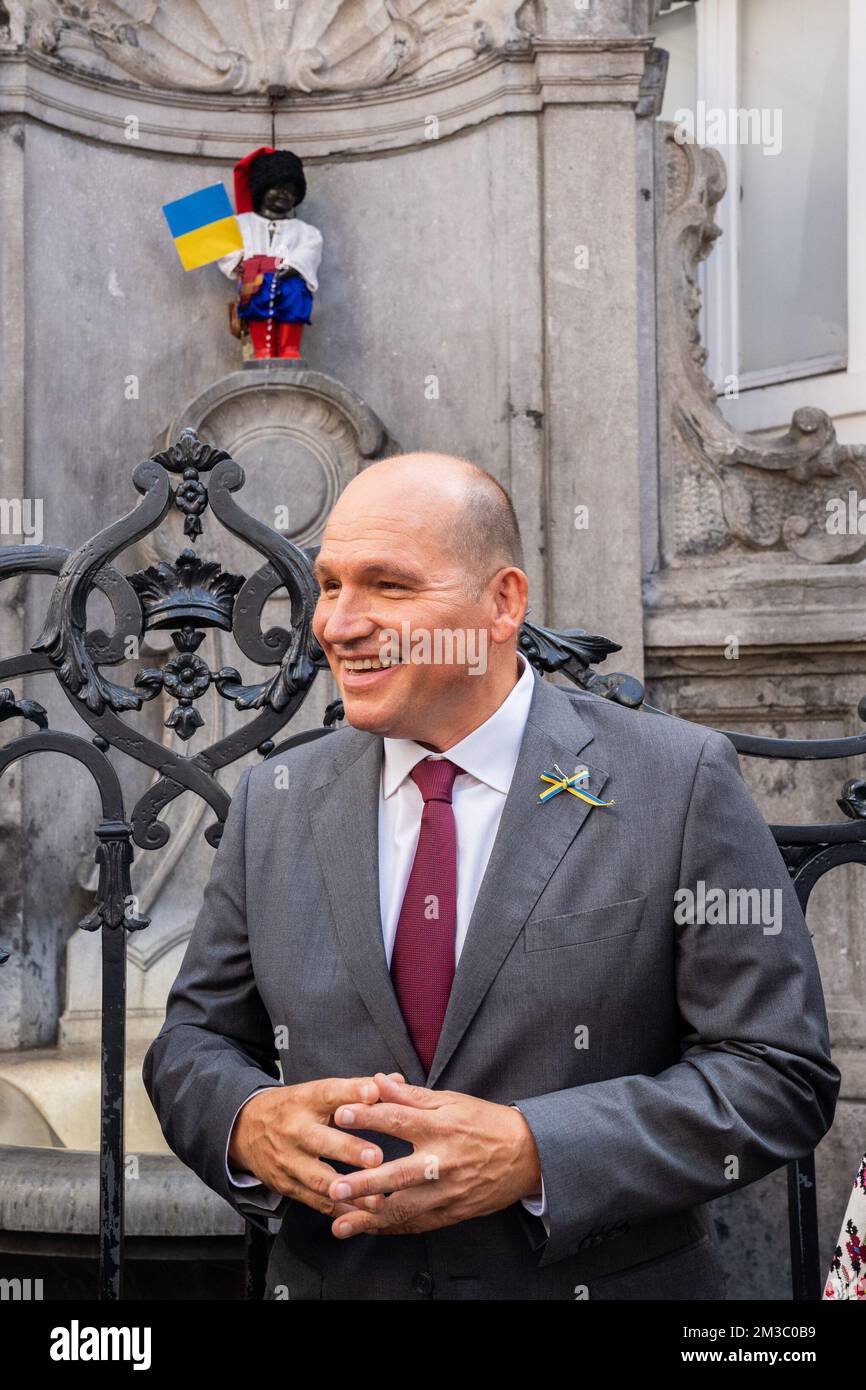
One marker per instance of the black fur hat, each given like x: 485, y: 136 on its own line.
x: 269, y: 169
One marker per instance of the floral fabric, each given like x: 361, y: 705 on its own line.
x: 847, y: 1277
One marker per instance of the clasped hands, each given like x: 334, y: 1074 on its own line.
x: 470, y: 1157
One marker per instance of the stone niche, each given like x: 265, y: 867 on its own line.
x: 299, y: 435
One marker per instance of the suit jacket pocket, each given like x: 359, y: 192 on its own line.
x: 592, y: 924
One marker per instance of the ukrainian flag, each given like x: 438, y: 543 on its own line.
x: 204, y: 226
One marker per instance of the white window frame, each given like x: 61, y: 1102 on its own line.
x: 836, y: 384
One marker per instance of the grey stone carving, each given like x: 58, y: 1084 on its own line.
x: 299, y: 434
x: 735, y: 491
x: 248, y: 47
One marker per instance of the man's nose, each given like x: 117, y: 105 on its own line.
x: 346, y: 621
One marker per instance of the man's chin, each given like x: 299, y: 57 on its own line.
x: 366, y: 714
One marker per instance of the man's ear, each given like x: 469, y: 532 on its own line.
x: 510, y: 596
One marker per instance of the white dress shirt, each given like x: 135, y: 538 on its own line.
x: 487, y: 757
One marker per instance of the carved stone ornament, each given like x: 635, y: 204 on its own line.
x: 732, y: 491
x: 300, y: 435
x: 249, y: 46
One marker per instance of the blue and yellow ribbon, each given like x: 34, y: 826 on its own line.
x: 563, y: 783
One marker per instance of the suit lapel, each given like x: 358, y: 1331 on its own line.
x: 530, y: 842
x: 344, y: 812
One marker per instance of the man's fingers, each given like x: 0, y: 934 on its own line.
x: 359, y: 1223
x: 310, y: 1183
x: 390, y: 1177
x: 403, y: 1214
x: 393, y: 1088
x: 335, y: 1209
x: 325, y: 1142
x: 365, y: 1203
x: 340, y: 1090
x: 312, y: 1189
x: 400, y: 1120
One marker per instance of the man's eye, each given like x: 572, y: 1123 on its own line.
x: 390, y: 584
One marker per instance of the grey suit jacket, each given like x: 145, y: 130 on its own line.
x: 659, y: 1064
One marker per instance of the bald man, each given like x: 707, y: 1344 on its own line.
x: 455, y: 1040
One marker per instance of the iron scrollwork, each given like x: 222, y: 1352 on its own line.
x: 186, y: 599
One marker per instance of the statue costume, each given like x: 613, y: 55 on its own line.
x: 279, y: 263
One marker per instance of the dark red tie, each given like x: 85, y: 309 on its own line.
x: 422, y: 962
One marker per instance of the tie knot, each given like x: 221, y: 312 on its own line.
x: 434, y: 778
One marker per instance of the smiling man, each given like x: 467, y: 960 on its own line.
x: 509, y: 1066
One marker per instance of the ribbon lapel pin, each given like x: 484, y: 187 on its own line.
x: 563, y: 783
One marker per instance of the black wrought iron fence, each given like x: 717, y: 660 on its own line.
x: 187, y: 597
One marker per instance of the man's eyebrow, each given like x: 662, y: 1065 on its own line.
x: 322, y: 570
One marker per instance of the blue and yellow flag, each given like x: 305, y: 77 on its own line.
x: 204, y: 226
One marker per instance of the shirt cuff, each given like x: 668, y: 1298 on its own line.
x: 536, y: 1206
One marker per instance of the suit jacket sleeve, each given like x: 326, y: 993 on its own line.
x: 216, y: 1046
x: 754, y: 1086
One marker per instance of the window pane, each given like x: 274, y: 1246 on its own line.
x: 675, y: 32
x: 793, y: 283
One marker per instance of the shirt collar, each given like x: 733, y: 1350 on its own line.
x: 488, y: 753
